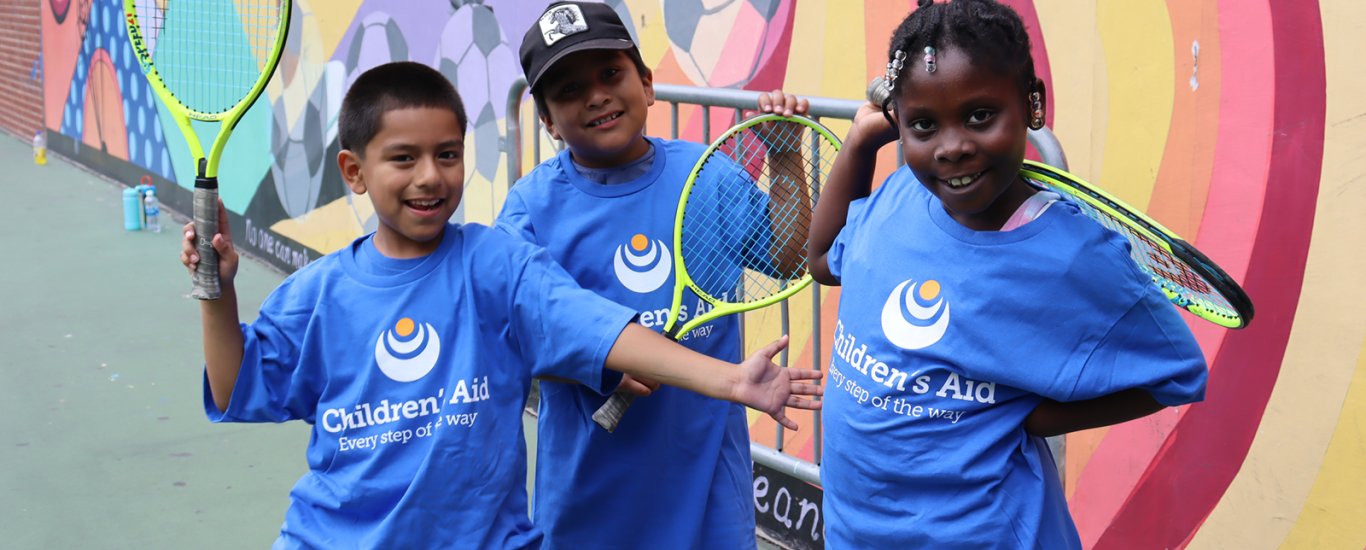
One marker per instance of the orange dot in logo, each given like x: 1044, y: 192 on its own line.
x: 404, y: 326
x: 639, y: 242
x: 929, y: 290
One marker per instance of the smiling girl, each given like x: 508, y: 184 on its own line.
x: 979, y: 313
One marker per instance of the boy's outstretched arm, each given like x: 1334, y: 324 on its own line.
x: 222, y: 331
x: 851, y: 178
x: 1052, y: 418
x: 756, y: 383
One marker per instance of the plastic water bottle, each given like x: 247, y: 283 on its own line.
x: 40, y: 147
x: 141, y: 191
x: 153, y: 210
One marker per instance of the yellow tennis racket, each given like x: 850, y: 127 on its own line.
x: 1188, y: 278
x: 742, y: 223
x: 207, y: 60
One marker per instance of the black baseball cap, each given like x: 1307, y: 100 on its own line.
x: 568, y: 27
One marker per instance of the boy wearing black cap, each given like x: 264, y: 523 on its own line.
x: 676, y: 473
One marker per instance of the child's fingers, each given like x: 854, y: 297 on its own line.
x: 799, y: 402
x: 785, y: 421
x: 224, y: 225
x: 774, y: 347
x: 188, y: 257
x: 779, y: 102
x: 804, y: 374
x: 801, y: 388
x: 637, y: 386
x: 190, y: 261
x: 223, y: 244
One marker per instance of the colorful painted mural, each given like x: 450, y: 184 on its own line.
x: 1237, y: 124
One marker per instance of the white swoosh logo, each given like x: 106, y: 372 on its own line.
x: 903, y: 333
x: 643, y: 282
x: 413, y: 368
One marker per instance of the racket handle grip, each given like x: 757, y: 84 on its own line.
x: 206, y: 285
x: 610, y: 413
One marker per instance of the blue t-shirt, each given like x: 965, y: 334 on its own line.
x: 414, y: 374
x: 677, y: 472
x: 947, y: 339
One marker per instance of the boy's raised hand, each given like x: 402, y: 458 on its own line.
x: 783, y: 103
x: 767, y: 387
x: 222, y: 242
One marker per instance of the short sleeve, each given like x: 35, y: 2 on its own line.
x: 834, y: 258
x: 562, y: 330
x: 1149, y: 348
x: 514, y: 219
x: 270, y: 385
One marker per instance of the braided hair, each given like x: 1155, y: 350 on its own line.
x: 989, y: 33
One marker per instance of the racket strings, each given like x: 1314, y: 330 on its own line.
x: 748, y: 213
x: 209, y: 53
x: 1178, y: 281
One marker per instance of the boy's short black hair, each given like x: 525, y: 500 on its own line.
x: 398, y: 85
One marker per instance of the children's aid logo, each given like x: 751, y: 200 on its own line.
x: 915, y: 315
x: 644, y: 266
x: 408, y: 351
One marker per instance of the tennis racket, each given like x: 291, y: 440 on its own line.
x: 207, y: 60
x: 1189, y: 279
x: 741, y: 227
x: 1186, y: 276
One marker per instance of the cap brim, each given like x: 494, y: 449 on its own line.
x: 593, y: 44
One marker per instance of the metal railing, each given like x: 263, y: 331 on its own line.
x: 1050, y: 151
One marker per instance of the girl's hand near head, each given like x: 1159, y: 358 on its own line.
x: 870, y: 130
x: 851, y: 178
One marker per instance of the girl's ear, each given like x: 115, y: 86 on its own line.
x: 349, y: 163
x: 1037, y: 105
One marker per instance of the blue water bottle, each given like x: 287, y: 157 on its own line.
x: 132, y: 210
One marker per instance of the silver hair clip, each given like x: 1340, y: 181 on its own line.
x: 929, y: 59
x: 894, y: 66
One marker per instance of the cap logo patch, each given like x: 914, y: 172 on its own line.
x: 560, y: 22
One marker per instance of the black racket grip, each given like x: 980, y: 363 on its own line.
x: 206, y: 282
x: 610, y: 413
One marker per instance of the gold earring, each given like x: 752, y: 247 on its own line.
x: 1036, y: 104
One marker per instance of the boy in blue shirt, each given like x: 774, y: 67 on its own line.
x: 676, y: 473
x: 411, y: 350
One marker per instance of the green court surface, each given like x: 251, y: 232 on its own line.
x: 103, y: 439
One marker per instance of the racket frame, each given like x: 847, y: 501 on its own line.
x: 720, y: 308
x: 1077, y: 189
x: 609, y: 415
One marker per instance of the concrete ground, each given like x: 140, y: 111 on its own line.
x: 103, y: 439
